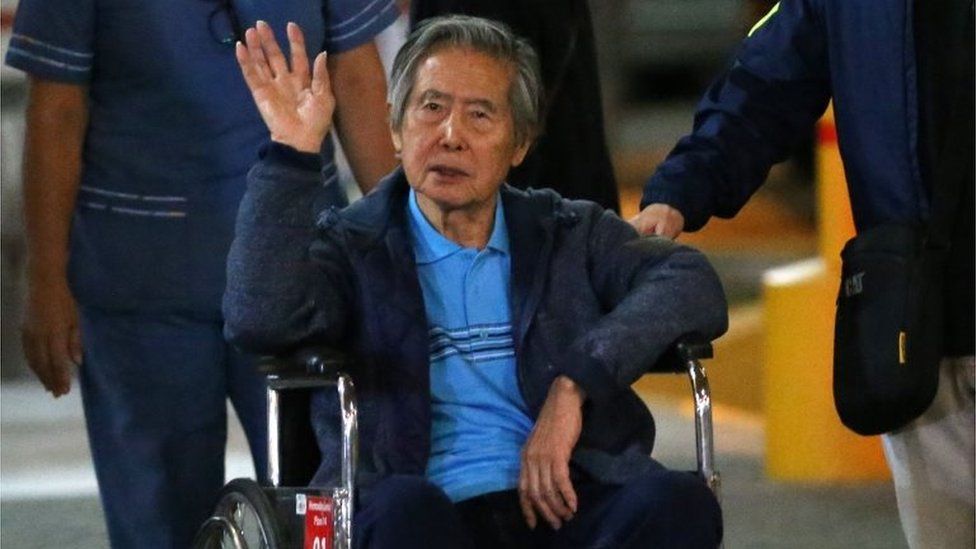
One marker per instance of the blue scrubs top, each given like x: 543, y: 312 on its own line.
x: 172, y: 132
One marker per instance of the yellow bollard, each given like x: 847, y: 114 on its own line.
x: 805, y: 441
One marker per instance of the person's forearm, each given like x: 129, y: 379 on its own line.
x: 359, y: 85
x: 655, y: 292
x: 57, y: 115
x: 286, y: 288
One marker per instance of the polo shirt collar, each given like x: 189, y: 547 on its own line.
x: 431, y: 246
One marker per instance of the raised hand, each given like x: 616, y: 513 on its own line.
x: 296, y: 106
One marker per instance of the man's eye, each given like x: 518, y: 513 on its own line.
x: 432, y: 107
x: 480, y: 114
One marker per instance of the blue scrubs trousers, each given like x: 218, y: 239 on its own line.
x: 154, y: 389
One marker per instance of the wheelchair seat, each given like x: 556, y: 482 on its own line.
x: 284, y: 513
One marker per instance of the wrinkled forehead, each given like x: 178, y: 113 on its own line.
x: 464, y: 72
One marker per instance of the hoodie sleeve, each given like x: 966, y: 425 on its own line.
x: 287, y: 281
x: 655, y: 291
x: 777, y: 86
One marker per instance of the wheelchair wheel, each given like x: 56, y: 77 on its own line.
x: 243, y: 519
x: 218, y: 533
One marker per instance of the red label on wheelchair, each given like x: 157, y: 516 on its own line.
x: 319, y: 522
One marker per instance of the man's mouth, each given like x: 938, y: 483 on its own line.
x: 448, y: 171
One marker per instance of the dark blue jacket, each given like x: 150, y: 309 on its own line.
x: 861, y: 53
x: 590, y: 300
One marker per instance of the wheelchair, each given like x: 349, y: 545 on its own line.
x: 285, y: 513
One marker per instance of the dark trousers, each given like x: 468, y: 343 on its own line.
x: 155, y: 391
x: 660, y: 509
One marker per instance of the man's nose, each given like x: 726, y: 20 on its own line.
x: 452, y: 133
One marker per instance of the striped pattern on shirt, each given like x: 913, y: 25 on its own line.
x: 476, y: 343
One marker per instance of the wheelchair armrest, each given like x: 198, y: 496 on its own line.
x: 316, y: 359
x: 687, y: 348
x: 293, y: 454
x: 684, y: 357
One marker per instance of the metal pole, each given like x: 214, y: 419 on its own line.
x: 350, y: 454
x: 704, y: 446
x: 274, y: 438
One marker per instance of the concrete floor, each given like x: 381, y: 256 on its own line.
x: 48, y: 492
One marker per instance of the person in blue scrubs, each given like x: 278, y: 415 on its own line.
x: 140, y: 131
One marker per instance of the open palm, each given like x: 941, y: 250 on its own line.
x: 295, y: 104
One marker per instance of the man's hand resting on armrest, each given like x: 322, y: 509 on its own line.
x: 544, y: 484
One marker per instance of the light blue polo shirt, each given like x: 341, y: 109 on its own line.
x: 480, y: 421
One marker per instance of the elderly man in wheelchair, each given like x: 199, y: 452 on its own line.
x: 494, y: 332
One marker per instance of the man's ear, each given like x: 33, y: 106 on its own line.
x: 394, y: 135
x: 520, y: 153
x: 397, y: 142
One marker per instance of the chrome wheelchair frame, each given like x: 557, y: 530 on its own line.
x: 250, y: 516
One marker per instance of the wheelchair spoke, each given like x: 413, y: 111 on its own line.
x: 227, y: 541
x: 241, y: 518
x: 245, y: 519
x: 219, y: 532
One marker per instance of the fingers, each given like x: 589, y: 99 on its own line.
x: 295, y: 114
x: 540, y: 501
x: 60, y: 379
x: 537, y: 501
x: 262, y: 60
x: 645, y: 222
x: 256, y: 52
x: 538, y: 493
x: 52, y: 344
x: 75, y: 356
x: 299, y: 56
x: 544, y: 478
x: 74, y: 346
x: 35, y: 350
x: 320, y: 76
x: 666, y: 229
x: 276, y: 59
x: 564, y: 486
x: 49, y: 355
x: 670, y: 229
x: 638, y: 223
x: 60, y: 361
x: 660, y: 220
x: 524, y: 501
x: 550, y: 491
x: 251, y: 60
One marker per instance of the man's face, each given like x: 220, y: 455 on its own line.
x: 457, y: 140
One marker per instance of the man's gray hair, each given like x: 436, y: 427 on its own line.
x: 481, y: 35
